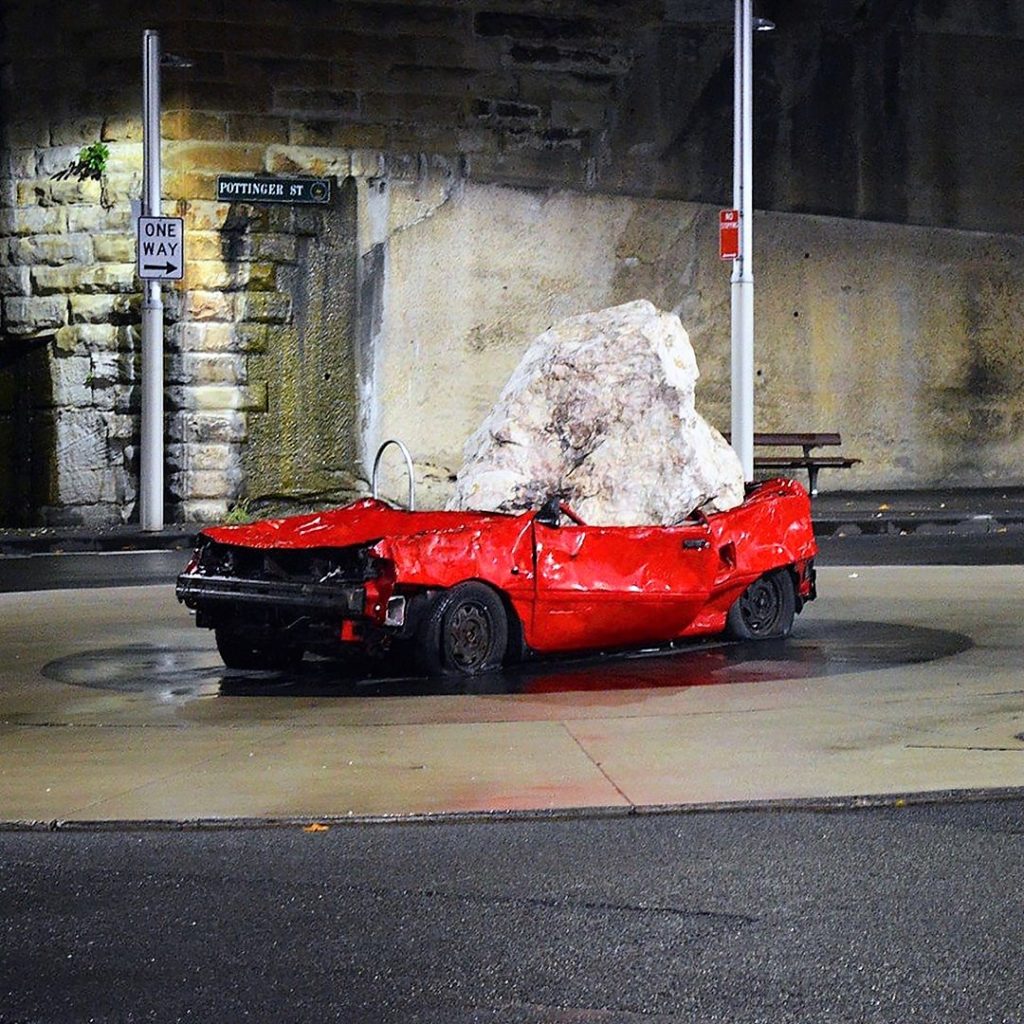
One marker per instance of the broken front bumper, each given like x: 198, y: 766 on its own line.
x: 194, y: 590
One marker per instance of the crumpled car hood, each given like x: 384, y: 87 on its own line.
x: 364, y: 521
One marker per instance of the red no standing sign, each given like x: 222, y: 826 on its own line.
x: 729, y: 234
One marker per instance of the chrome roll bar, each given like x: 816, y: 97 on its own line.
x: 411, y: 503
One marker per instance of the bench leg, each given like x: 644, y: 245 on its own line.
x: 812, y: 479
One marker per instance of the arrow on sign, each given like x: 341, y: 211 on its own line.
x: 164, y: 267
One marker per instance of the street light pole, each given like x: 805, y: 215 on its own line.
x: 151, y: 455
x: 743, y: 267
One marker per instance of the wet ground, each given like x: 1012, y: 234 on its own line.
x: 897, y: 679
x: 821, y: 648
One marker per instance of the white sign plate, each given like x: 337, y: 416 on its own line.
x: 161, y: 247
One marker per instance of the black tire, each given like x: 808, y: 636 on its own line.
x: 464, y: 633
x: 765, y: 610
x: 238, y: 651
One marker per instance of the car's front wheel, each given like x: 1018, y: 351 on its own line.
x: 240, y: 651
x: 765, y: 610
x: 465, y: 632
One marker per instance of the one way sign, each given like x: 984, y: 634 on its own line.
x: 161, y: 248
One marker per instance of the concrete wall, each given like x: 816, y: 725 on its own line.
x: 898, y: 112
x: 908, y: 341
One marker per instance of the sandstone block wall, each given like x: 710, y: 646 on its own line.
x: 70, y: 315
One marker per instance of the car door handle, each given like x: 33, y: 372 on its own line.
x: 695, y: 544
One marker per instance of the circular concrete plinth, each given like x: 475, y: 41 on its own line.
x: 819, y: 648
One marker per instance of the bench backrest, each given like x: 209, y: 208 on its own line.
x: 810, y: 440
x: 804, y: 440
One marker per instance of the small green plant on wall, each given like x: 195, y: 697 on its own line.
x: 90, y: 165
x: 92, y: 161
x: 239, y: 513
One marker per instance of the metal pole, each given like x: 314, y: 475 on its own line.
x: 151, y: 460
x: 743, y: 266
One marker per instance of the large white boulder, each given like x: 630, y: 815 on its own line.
x: 601, y: 411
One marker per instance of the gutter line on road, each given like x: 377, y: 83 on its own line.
x: 813, y: 805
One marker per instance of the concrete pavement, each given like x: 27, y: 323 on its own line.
x: 113, y: 707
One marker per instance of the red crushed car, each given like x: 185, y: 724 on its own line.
x: 468, y: 591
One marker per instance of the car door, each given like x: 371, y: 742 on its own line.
x: 616, y: 586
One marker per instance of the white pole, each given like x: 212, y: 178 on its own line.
x: 743, y: 266
x: 151, y: 456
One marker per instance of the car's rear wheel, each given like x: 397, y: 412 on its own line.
x: 240, y: 651
x: 765, y: 610
x: 464, y: 633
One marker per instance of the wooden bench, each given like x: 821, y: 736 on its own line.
x: 807, y: 442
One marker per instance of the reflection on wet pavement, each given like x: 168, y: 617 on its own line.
x: 821, y: 647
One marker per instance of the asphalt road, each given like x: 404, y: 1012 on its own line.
x: 21, y: 573
x: 902, y: 914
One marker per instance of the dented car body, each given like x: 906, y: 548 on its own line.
x: 468, y: 590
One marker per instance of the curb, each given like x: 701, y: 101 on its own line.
x: 901, y: 524
x: 819, y: 805
x: 71, y: 541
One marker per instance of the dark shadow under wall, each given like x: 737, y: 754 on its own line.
x: 27, y: 432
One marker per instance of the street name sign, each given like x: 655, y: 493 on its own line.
x: 273, y: 190
x: 161, y: 248
x: 729, y: 234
